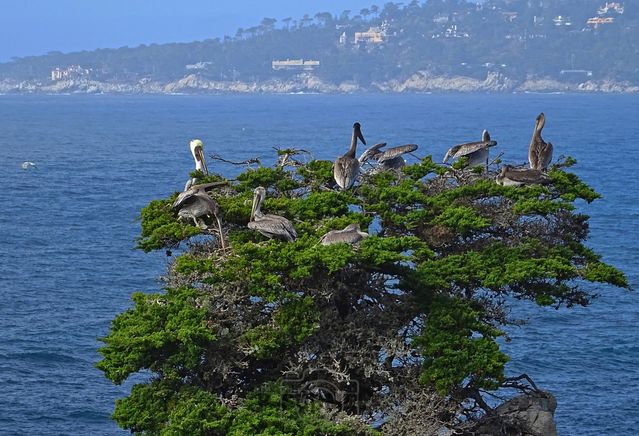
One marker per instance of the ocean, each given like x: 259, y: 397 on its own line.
x: 68, y: 226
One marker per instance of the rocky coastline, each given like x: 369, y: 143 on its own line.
x: 420, y: 82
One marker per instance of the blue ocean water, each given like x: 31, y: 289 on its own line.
x: 67, y: 229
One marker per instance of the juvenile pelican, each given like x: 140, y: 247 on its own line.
x: 346, y: 168
x: 197, y: 150
x: 390, y: 159
x: 476, y: 152
x: 351, y: 234
x: 194, y: 203
x: 539, y: 151
x: 271, y: 226
x: 509, y: 176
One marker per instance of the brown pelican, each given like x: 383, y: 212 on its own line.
x: 346, y: 168
x: 194, y: 203
x: 197, y: 150
x: 351, y: 234
x: 390, y: 159
x: 539, y: 151
x: 475, y: 152
x: 509, y: 176
x: 271, y: 226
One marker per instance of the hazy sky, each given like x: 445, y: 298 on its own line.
x: 31, y: 27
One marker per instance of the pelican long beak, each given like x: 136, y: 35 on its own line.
x: 199, y: 153
x: 254, y: 207
x: 360, y: 136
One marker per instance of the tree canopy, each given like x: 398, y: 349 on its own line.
x: 397, y: 334
x: 517, y: 39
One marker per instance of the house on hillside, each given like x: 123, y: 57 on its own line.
x: 295, y: 64
x: 562, y: 20
x: 599, y: 21
x: 611, y: 7
x: 69, y: 73
x: 451, y: 31
x: 374, y: 35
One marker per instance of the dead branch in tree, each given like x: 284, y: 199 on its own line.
x: 254, y: 160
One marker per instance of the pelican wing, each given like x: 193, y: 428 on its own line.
x: 193, y: 190
x: 526, y: 176
x: 450, y: 153
x: 198, y: 204
x: 469, y: 147
x: 274, y: 226
x: 371, y: 153
x: 546, y: 155
x: 184, y: 197
x: 338, y: 236
x: 539, y: 154
x: 345, y: 171
x: 350, y: 235
x: 533, y: 153
x: 395, y: 152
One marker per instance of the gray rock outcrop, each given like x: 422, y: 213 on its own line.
x: 422, y: 81
x: 525, y: 415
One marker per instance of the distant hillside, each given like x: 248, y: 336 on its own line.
x: 566, y: 41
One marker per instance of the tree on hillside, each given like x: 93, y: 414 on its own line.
x: 324, y: 18
x: 398, y: 331
x: 516, y: 39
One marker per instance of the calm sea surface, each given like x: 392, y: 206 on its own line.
x: 67, y: 229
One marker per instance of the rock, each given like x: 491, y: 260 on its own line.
x: 424, y: 81
x: 545, y: 84
x: 421, y: 81
x: 525, y: 415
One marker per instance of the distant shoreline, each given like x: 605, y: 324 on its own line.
x: 420, y: 82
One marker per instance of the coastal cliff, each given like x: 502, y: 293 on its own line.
x: 422, y: 81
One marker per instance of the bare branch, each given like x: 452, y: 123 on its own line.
x: 254, y: 160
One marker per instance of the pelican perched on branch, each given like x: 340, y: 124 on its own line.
x: 539, y: 151
x: 197, y: 150
x: 509, y: 176
x: 346, y: 168
x: 475, y: 152
x: 351, y: 234
x: 194, y: 203
x: 390, y: 159
x: 271, y: 226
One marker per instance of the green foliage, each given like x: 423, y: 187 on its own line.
x: 270, y: 411
x: 160, y: 226
x: 462, y: 219
x: 201, y: 178
x: 293, y: 321
x: 317, y: 173
x: 277, y: 178
x: 163, y: 333
x: 571, y: 187
x: 234, y: 323
x: 457, y: 345
x: 602, y: 273
x: 422, y: 169
x: 168, y: 408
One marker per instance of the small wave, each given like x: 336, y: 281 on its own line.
x: 89, y: 416
x: 545, y: 92
x: 43, y: 356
